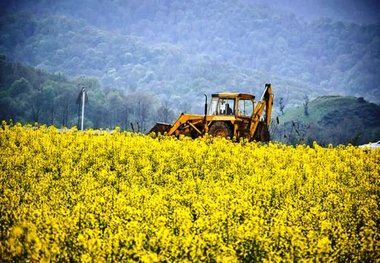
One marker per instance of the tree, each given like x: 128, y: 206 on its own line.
x: 65, y: 103
x: 142, y: 105
x: 164, y: 113
x: 20, y: 93
x: 306, y: 105
x: 282, y: 105
x: 20, y: 87
x: 115, y: 108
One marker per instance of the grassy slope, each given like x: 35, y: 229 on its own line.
x: 350, y: 116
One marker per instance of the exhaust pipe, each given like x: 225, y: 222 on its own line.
x: 205, y: 118
x: 205, y: 105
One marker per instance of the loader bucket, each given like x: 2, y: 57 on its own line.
x: 160, y: 127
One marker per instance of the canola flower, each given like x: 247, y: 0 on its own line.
x: 117, y: 196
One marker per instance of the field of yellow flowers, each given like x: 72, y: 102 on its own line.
x: 118, y: 196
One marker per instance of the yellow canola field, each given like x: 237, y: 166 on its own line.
x: 118, y: 196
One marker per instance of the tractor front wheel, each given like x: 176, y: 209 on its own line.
x: 220, y: 129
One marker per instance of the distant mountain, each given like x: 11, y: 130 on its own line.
x: 360, y: 12
x: 330, y: 119
x: 179, y: 50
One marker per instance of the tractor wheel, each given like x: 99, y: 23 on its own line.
x: 220, y: 129
x: 262, y: 133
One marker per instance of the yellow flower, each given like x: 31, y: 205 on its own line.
x: 118, y: 197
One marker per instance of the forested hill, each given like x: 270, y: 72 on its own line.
x: 30, y: 95
x: 181, y: 49
x: 330, y: 119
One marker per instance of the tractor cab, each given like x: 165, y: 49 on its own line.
x: 235, y: 104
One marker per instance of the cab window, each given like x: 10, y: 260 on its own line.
x: 223, y: 106
x: 245, y: 107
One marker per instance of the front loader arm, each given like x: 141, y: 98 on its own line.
x: 190, y: 119
x: 265, y: 103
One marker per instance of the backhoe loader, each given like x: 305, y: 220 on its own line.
x: 229, y: 115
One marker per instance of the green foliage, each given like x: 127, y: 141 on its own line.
x: 331, y: 120
x: 176, y: 51
x: 29, y: 95
x: 185, y: 49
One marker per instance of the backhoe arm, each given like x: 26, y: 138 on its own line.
x: 265, y: 103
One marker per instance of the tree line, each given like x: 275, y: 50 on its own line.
x: 30, y: 95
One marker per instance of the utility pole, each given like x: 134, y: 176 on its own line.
x: 81, y: 100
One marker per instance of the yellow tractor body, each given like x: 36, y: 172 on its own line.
x: 230, y: 115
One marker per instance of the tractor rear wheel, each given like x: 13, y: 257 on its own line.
x: 220, y: 129
x: 262, y: 133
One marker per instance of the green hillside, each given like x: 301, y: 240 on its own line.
x: 330, y: 119
x: 179, y: 50
x: 30, y: 95
x: 132, y: 63
x: 167, y: 54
